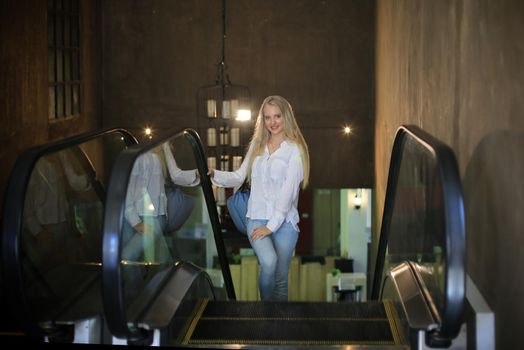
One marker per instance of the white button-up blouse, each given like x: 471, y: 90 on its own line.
x: 275, y: 184
x: 145, y: 193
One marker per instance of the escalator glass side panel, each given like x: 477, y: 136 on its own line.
x: 423, y: 223
x: 56, y: 195
x: 157, y: 216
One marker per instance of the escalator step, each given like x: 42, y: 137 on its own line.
x: 292, y: 323
x: 298, y: 331
x: 257, y: 309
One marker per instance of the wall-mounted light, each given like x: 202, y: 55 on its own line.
x: 357, y: 199
x: 148, y: 132
x: 346, y: 130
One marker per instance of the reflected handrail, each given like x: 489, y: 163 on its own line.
x: 454, y: 251
x: 13, y: 212
x: 114, y: 218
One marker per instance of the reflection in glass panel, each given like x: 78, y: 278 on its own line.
x: 62, y: 223
x: 165, y: 219
x: 417, y: 227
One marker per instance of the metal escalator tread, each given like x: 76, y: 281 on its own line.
x: 293, y: 323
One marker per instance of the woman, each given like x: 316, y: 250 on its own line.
x: 276, y: 164
x: 147, y: 210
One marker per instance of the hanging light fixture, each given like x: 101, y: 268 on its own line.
x: 224, y: 100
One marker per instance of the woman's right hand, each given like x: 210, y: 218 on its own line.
x: 211, y: 172
x: 140, y: 227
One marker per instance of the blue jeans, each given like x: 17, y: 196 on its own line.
x: 274, y: 254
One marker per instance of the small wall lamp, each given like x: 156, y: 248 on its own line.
x: 148, y: 132
x: 357, y: 199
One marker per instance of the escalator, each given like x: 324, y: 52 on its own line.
x: 175, y: 288
x: 418, y: 291
x: 52, y: 232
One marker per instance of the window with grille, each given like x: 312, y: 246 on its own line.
x: 64, y: 58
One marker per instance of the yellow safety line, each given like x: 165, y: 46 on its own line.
x: 195, y: 320
x: 13, y: 334
x: 229, y: 318
x: 388, y: 306
x: 290, y: 342
x: 398, y: 322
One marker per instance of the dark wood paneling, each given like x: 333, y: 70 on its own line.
x: 24, y: 79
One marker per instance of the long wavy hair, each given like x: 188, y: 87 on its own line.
x: 292, y: 132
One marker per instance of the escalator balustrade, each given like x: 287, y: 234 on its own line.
x: 52, y: 231
x: 154, y: 287
x: 422, y: 231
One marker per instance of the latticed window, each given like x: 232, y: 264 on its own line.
x: 64, y: 58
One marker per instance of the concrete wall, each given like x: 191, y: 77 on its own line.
x: 24, y: 79
x: 318, y: 54
x: 456, y: 69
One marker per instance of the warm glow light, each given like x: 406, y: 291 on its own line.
x: 347, y: 130
x: 148, y: 132
x: 244, y: 114
x: 357, y: 201
x: 356, y: 198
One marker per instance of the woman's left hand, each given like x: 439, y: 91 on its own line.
x: 260, y: 232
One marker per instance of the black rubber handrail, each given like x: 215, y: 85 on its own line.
x: 455, y: 241
x: 205, y: 182
x: 13, y: 210
x: 113, y: 299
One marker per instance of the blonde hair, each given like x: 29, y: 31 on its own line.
x: 291, y: 130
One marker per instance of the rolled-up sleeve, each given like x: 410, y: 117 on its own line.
x: 232, y: 178
x: 187, y: 178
